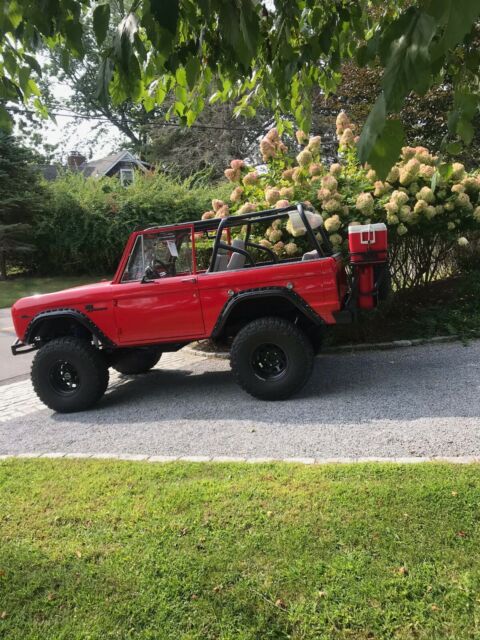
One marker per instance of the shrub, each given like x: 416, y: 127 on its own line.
x: 88, y: 221
x: 430, y: 208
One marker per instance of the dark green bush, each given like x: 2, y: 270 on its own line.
x: 88, y: 221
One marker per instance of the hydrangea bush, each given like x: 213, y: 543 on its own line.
x: 429, y: 207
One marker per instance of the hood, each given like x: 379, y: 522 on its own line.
x: 65, y: 298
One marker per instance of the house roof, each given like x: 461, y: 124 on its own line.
x: 102, y: 166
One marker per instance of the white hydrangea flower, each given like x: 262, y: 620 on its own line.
x: 291, y: 249
x: 304, y: 158
x: 336, y: 239
x: 458, y: 171
x: 333, y: 223
x: 331, y: 205
x: 426, y: 194
x: 399, y: 198
x: 330, y: 183
x: 392, y: 219
x: 365, y: 203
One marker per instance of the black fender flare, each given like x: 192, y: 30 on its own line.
x: 265, y: 292
x: 71, y: 314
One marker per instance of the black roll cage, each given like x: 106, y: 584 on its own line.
x: 260, y: 216
x: 218, y: 225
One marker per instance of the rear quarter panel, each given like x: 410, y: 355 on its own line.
x: 316, y: 281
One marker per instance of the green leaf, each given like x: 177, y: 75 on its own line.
x: 408, y: 66
x: 124, y: 38
x: 101, y: 18
x: 33, y: 64
x: 454, y: 148
x: 117, y: 90
x: 32, y: 88
x: 105, y: 73
x: 6, y: 121
x: 166, y: 13
x: 387, y: 148
x: 249, y: 27
x: 372, y: 129
x: 465, y: 130
x: 74, y: 35
x: 458, y: 17
x: 466, y: 103
x: 181, y: 76
x: 193, y: 70
x: 148, y: 102
x: 445, y: 170
x: 23, y: 76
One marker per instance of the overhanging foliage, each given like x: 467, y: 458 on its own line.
x: 244, y: 51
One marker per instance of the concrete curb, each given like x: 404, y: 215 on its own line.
x: 346, y: 348
x: 134, y: 457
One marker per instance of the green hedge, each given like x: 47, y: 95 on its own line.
x: 87, y: 221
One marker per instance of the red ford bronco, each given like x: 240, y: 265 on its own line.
x: 162, y: 297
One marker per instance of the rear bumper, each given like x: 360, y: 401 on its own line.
x: 18, y: 347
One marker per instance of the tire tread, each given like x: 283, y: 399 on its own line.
x: 276, y: 325
x: 86, y: 351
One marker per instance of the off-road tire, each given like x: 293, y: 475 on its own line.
x: 283, y: 336
x: 85, y: 359
x: 133, y: 361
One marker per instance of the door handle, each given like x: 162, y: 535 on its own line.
x: 189, y: 279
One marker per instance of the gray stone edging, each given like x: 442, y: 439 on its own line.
x: 349, y: 348
x: 241, y: 459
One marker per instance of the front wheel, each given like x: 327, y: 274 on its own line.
x: 271, y: 358
x: 69, y: 374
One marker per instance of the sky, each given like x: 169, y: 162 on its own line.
x: 80, y: 135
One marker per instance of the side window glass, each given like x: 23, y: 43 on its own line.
x: 184, y: 250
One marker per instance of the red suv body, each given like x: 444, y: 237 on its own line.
x: 162, y: 297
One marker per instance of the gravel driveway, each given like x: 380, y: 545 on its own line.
x: 422, y: 401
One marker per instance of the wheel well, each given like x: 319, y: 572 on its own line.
x: 257, y: 307
x: 49, y: 328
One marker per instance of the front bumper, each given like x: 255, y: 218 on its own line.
x: 18, y: 347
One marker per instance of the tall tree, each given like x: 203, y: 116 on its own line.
x: 21, y: 197
x: 275, y: 58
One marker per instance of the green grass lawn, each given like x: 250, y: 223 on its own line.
x: 19, y: 286
x: 100, y: 550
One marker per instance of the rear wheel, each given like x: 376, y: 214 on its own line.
x: 134, y: 361
x: 69, y: 374
x: 271, y: 358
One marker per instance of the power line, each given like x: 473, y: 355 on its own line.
x: 73, y: 114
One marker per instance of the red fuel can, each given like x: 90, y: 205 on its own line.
x: 366, y: 284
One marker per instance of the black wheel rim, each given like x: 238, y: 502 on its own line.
x: 269, y: 362
x: 64, y: 378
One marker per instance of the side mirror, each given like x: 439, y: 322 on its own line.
x: 148, y: 276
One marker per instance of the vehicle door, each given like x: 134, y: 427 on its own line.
x: 157, y: 297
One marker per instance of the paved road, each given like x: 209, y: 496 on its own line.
x: 422, y: 401
x: 11, y: 366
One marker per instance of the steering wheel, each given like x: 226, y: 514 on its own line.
x: 169, y: 267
